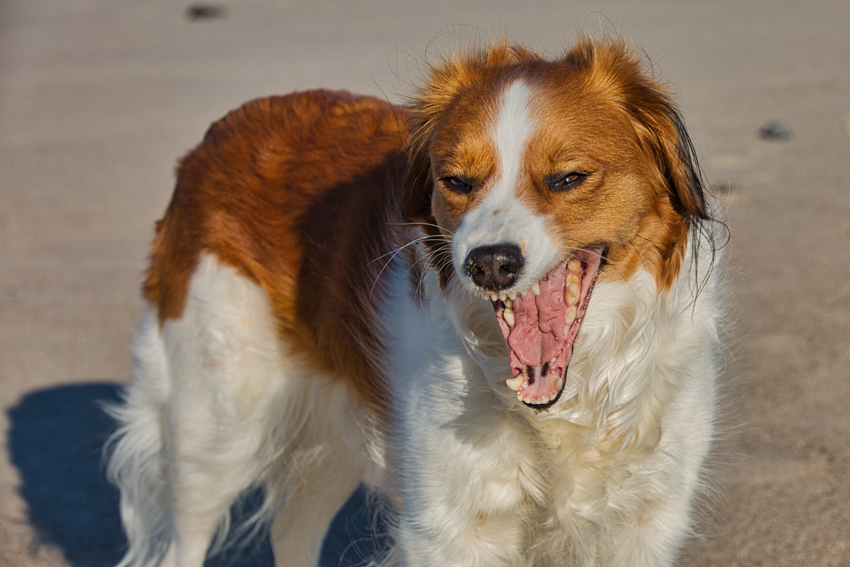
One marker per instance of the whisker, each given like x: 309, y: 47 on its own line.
x: 415, y: 224
x: 401, y: 248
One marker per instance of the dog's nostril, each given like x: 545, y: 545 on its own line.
x: 494, y: 267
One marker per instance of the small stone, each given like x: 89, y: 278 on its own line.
x: 775, y: 130
x: 202, y: 11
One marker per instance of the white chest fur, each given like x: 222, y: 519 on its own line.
x: 604, y: 477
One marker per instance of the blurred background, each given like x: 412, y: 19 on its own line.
x: 99, y: 98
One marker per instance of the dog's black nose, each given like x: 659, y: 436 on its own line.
x: 494, y: 267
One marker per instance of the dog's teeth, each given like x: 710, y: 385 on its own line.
x: 508, y: 314
x: 508, y: 303
x: 544, y: 400
x: 573, y: 279
x: 559, y: 383
x: 570, y: 315
x: 514, y: 383
x: 494, y: 296
x: 512, y: 295
x: 536, y: 288
x: 503, y: 296
x: 573, y: 293
x: 574, y: 265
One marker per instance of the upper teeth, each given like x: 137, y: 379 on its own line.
x: 573, y: 292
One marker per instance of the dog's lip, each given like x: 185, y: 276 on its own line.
x: 566, y: 294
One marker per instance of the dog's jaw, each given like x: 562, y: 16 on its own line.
x: 540, y: 326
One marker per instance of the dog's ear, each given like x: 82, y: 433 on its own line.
x: 427, y: 112
x: 610, y: 66
x: 418, y: 185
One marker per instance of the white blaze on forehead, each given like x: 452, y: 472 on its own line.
x: 511, y: 132
x: 501, y: 217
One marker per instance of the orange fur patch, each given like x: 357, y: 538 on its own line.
x: 296, y: 193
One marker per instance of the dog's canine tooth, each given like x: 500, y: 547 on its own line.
x: 514, y: 383
x: 536, y: 288
x: 508, y: 314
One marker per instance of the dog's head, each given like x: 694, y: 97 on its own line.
x: 544, y: 177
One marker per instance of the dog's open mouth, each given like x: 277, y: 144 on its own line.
x: 541, y: 325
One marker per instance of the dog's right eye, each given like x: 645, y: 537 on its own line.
x: 457, y: 184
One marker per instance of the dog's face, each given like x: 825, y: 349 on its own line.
x: 544, y: 177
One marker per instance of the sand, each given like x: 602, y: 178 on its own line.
x: 98, y: 99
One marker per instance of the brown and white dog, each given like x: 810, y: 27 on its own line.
x: 489, y: 305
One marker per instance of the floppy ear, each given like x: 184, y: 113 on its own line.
x: 418, y: 185
x: 661, y: 132
x: 427, y: 109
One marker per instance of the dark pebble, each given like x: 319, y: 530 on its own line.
x: 201, y: 11
x: 775, y: 130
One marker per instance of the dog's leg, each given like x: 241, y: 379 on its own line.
x: 315, y: 498
x: 228, y: 407
x: 653, y: 534
x: 464, y: 498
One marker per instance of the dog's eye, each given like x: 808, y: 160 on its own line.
x: 457, y: 184
x: 566, y: 182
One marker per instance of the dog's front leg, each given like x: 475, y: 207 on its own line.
x: 466, y: 500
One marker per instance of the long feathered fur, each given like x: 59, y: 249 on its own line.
x: 313, y: 324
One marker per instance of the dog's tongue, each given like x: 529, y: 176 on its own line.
x: 539, y: 333
x: 540, y: 328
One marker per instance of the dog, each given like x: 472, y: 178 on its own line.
x: 497, y: 306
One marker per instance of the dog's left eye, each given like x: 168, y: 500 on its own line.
x: 457, y: 184
x: 566, y: 182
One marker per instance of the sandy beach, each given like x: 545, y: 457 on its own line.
x: 99, y: 99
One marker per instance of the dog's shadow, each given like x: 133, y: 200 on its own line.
x: 56, y: 439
